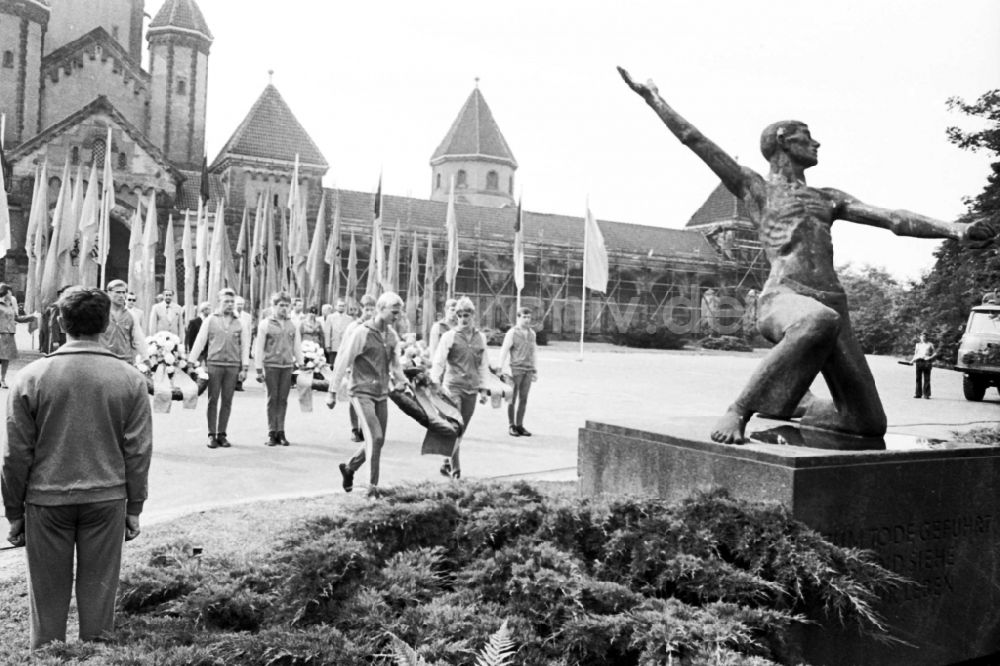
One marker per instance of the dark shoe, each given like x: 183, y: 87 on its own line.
x: 272, y: 439
x: 446, y: 468
x: 222, y: 441
x: 281, y: 438
x: 348, y: 477
x: 928, y: 397
x: 513, y: 431
x: 524, y: 433
x: 918, y: 396
x: 357, y: 435
x: 213, y: 443
x: 457, y: 474
x: 239, y: 386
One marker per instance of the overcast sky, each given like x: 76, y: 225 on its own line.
x: 377, y: 85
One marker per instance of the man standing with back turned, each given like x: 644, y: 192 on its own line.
x: 803, y: 308
x: 75, y: 469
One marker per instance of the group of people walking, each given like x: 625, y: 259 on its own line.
x: 64, y: 500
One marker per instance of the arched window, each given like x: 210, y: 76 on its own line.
x: 492, y: 181
x: 122, y: 160
x: 97, y: 152
x: 8, y: 59
x: 437, y: 186
x: 75, y: 155
x: 181, y: 87
x: 461, y: 180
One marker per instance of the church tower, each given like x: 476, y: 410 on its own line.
x: 23, y: 24
x: 179, y: 41
x: 71, y: 19
x: 477, y: 156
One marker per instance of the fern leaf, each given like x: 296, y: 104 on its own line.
x: 403, y: 653
x: 500, y: 649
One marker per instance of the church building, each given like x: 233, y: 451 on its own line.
x: 70, y: 70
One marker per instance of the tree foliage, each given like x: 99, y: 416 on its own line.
x: 876, y: 300
x: 962, y: 273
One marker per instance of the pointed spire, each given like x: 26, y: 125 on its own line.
x: 180, y: 16
x: 474, y: 134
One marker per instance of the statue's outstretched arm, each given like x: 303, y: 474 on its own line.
x: 906, y: 223
x: 724, y: 166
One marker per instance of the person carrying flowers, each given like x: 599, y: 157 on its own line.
x: 279, y: 350
x: 461, y: 366
x: 369, y: 353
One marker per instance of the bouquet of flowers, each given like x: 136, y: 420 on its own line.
x: 165, y: 358
x: 415, y: 360
x: 309, y: 377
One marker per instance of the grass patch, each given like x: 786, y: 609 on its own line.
x: 473, y: 573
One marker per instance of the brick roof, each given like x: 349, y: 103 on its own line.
x: 489, y: 223
x: 180, y: 14
x: 270, y: 131
x: 721, y: 206
x: 474, y: 134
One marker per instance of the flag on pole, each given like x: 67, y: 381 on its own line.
x: 413, y: 285
x: 107, y: 203
x: 243, y: 255
x: 378, y: 245
x: 34, y: 240
x: 333, y: 252
x: 428, y: 306
x: 5, y: 178
x: 90, y: 221
x: 315, y: 264
x: 392, y: 264
x: 146, y: 296
x: 352, y: 272
x: 372, y: 285
x: 451, y: 226
x: 50, y: 271
x: 6, y: 169
x: 519, y: 250
x: 68, y: 232
x: 31, y: 283
x: 257, y: 259
x: 272, y: 281
x: 135, y: 248
x: 77, y: 200
x: 595, y: 256
x: 169, y: 258
x: 187, y: 251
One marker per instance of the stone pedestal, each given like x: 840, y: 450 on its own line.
x: 930, y: 510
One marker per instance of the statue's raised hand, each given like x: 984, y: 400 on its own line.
x: 646, y: 90
x: 981, y: 233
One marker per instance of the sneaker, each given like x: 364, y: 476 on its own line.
x: 222, y: 441
x: 357, y: 435
x: 213, y: 443
x: 523, y: 432
x: 272, y: 439
x: 446, y: 468
x: 281, y: 438
x: 513, y: 431
x: 348, y: 477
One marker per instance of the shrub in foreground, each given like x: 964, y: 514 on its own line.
x: 452, y: 574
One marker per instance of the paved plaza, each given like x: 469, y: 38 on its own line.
x: 643, y: 389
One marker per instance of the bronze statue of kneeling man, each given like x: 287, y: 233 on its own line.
x: 803, y: 308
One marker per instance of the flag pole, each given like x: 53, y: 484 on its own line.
x: 583, y: 292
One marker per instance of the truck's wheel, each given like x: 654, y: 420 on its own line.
x: 973, y: 388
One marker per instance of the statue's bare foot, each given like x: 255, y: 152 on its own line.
x: 730, y: 428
